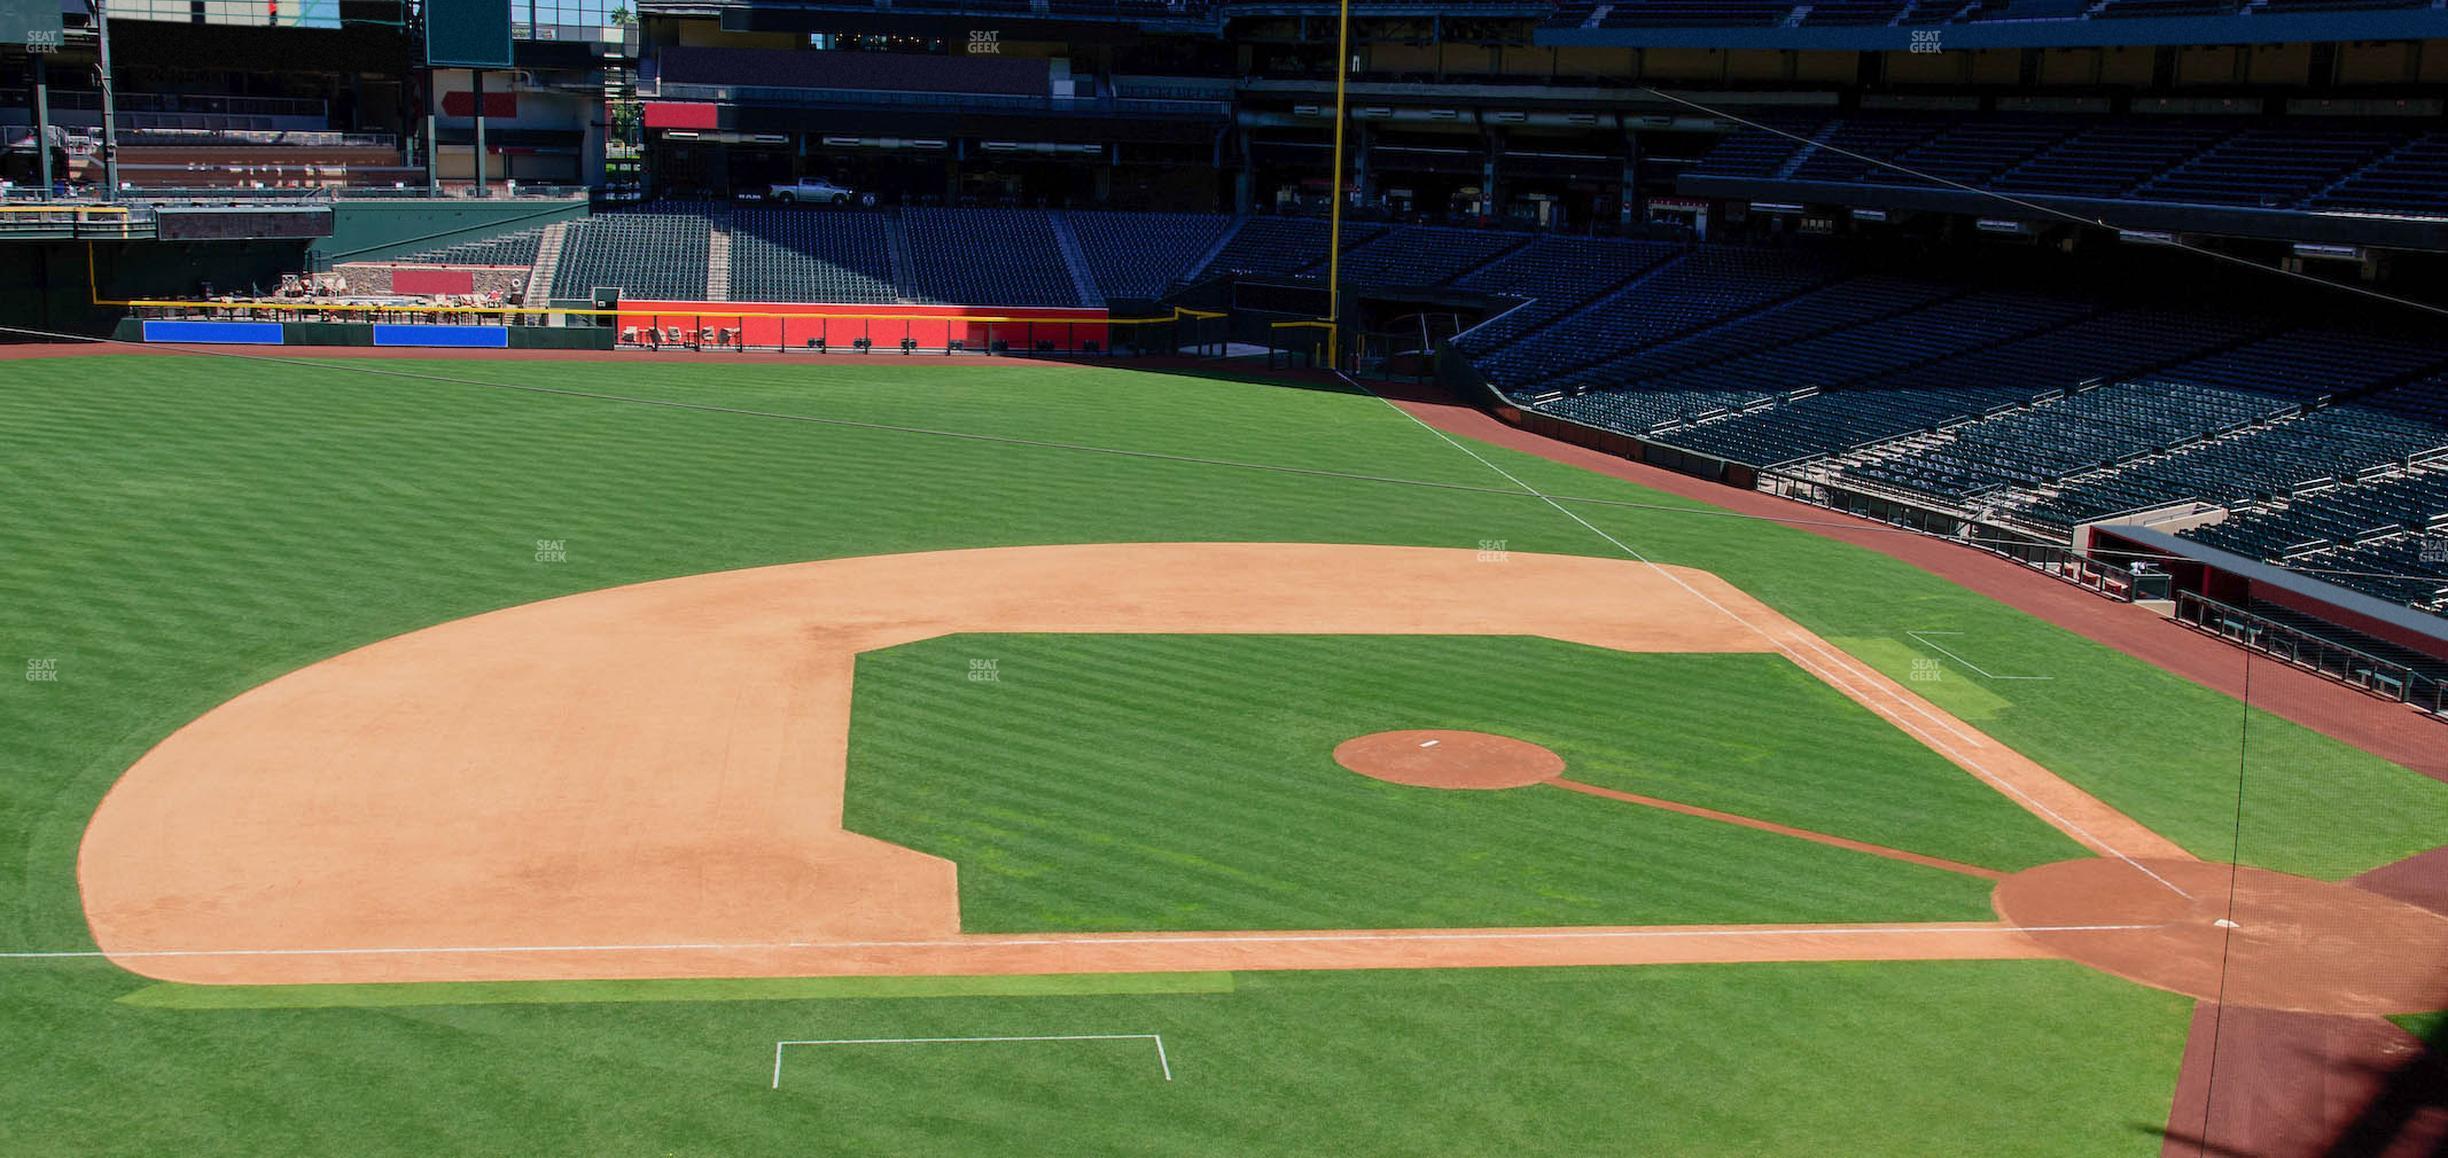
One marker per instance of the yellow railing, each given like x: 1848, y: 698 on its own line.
x: 66, y: 207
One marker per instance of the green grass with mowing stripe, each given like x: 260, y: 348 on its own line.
x: 1186, y: 782
x: 2002, y: 1058
x: 179, y: 530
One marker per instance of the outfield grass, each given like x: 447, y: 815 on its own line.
x: 178, y: 530
x: 1186, y: 782
x: 2001, y: 1058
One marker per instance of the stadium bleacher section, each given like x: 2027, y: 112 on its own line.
x: 790, y: 255
x: 1552, y: 276
x: 2386, y: 536
x: 651, y: 252
x: 508, y: 249
x: 1005, y: 257
x: 1697, y: 288
x: 2295, y: 164
x: 1142, y: 255
x: 1283, y: 246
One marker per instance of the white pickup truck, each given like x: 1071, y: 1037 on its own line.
x: 812, y: 191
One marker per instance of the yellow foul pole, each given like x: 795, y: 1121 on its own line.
x: 1334, y: 227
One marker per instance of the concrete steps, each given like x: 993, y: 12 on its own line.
x: 1075, y: 260
x: 547, y: 263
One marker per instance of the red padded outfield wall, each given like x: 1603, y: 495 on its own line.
x: 840, y: 325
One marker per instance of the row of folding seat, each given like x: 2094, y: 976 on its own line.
x: 654, y: 252
x: 791, y: 255
x: 1555, y: 275
x: 1711, y: 284
x: 998, y: 257
x: 506, y: 249
x: 1141, y: 255
x: 2294, y: 163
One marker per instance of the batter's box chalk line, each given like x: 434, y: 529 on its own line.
x: 1163, y: 1063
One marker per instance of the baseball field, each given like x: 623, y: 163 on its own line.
x: 686, y: 756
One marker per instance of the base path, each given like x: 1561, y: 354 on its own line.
x: 647, y: 781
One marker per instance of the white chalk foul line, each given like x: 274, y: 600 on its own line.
x: 1163, y: 1062
x: 1976, y: 669
x: 995, y: 941
x: 1834, y: 660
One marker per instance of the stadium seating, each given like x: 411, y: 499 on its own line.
x: 1703, y: 286
x: 517, y: 249
x: 2298, y: 164
x: 1845, y: 303
x: 2408, y: 180
x: 1005, y: 257
x: 2273, y: 167
x: 797, y: 255
x: 1141, y: 255
x: 654, y: 252
x: 1554, y: 275
x: 1415, y: 257
x: 2384, y: 519
x: 1284, y: 245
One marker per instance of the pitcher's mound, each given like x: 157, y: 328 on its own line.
x: 1436, y: 758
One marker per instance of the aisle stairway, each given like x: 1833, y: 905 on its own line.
x: 547, y: 264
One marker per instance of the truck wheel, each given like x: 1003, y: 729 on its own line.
x: 841, y: 199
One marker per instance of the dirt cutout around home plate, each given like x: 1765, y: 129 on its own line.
x: 647, y: 781
x: 1434, y: 758
x: 2294, y: 944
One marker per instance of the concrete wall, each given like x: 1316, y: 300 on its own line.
x: 43, y: 284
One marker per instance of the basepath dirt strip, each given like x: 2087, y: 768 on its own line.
x: 639, y: 782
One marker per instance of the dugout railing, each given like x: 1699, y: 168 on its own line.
x: 2296, y: 647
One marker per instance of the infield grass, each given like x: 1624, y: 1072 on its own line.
x: 1108, y: 782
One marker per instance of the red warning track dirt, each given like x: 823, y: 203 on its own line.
x: 647, y: 781
x: 2272, y: 1082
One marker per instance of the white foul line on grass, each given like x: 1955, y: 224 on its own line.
x: 1976, y: 669
x: 1834, y: 662
x: 992, y: 942
x: 1163, y: 1062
